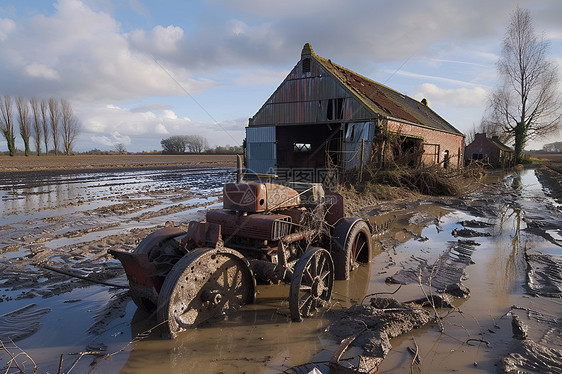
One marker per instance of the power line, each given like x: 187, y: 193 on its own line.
x: 399, y: 68
x: 193, y: 98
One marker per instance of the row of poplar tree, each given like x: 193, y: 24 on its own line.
x: 42, y: 123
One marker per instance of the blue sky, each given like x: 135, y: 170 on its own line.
x: 139, y: 71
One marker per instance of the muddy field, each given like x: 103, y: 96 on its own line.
x: 128, y: 161
x: 495, y: 254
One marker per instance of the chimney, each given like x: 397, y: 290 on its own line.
x: 307, y: 50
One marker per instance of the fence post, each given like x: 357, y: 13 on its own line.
x: 239, y: 167
x: 361, y: 160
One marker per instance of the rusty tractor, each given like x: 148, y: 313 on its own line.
x: 265, y: 232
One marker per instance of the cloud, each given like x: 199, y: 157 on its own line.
x: 36, y: 70
x: 116, y: 138
x: 129, y: 126
x: 97, y: 52
x: 161, y: 40
x: 436, y: 78
x: 90, y: 57
x: 460, y: 97
x: 161, y: 129
x: 7, y: 26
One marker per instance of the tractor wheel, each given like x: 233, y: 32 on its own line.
x: 205, y: 284
x: 356, y: 249
x: 151, y: 246
x: 311, y: 287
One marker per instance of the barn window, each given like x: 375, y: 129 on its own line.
x: 302, y: 147
x: 335, y: 109
x: 306, y: 65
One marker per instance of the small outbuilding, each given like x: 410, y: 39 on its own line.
x: 490, y: 151
x: 325, y: 117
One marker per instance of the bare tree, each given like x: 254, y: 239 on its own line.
x: 36, y: 129
x: 178, y: 144
x: 54, y: 119
x: 120, y: 148
x: 489, y: 128
x: 526, y: 105
x: 25, y: 122
x: 69, y: 125
x: 7, y: 123
x: 45, y: 124
x: 173, y: 145
x: 196, y: 143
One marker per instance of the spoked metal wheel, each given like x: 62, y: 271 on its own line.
x: 151, y: 246
x: 205, y: 284
x: 311, y: 287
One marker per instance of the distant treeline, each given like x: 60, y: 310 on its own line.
x: 182, y: 144
x: 41, y: 123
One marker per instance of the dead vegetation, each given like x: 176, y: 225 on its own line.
x: 427, y: 180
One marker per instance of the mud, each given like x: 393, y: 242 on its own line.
x: 369, y: 328
x: 69, y: 222
x: 540, y: 337
x: 544, y: 274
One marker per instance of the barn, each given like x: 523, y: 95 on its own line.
x: 490, y: 151
x: 324, y: 117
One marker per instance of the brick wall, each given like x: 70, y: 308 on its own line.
x: 453, y: 143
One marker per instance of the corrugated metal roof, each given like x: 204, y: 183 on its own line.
x: 384, y: 100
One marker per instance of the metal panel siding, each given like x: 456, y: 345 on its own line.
x: 263, y: 134
x: 261, y: 149
x: 355, y: 134
x: 303, y: 99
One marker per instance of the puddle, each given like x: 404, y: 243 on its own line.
x: 24, y: 197
x: 261, y: 338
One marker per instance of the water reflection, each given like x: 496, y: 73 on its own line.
x: 517, y: 184
x: 26, y: 193
x: 507, y: 263
x: 259, y: 339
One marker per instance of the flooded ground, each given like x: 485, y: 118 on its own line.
x: 493, y: 243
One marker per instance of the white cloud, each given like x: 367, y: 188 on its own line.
x: 7, y: 26
x: 116, y: 138
x: 161, y: 129
x: 120, y: 138
x: 102, y: 140
x: 460, y: 97
x: 107, y: 125
x: 436, y: 78
x: 90, y: 57
x: 159, y: 40
x: 35, y: 70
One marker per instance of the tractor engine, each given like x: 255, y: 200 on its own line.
x: 256, y: 211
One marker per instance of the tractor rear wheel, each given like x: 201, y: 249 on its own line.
x: 356, y: 250
x: 205, y: 284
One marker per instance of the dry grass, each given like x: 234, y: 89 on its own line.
x: 432, y: 180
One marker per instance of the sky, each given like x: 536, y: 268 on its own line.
x: 139, y: 71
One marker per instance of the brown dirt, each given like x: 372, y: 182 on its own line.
x: 78, y: 162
